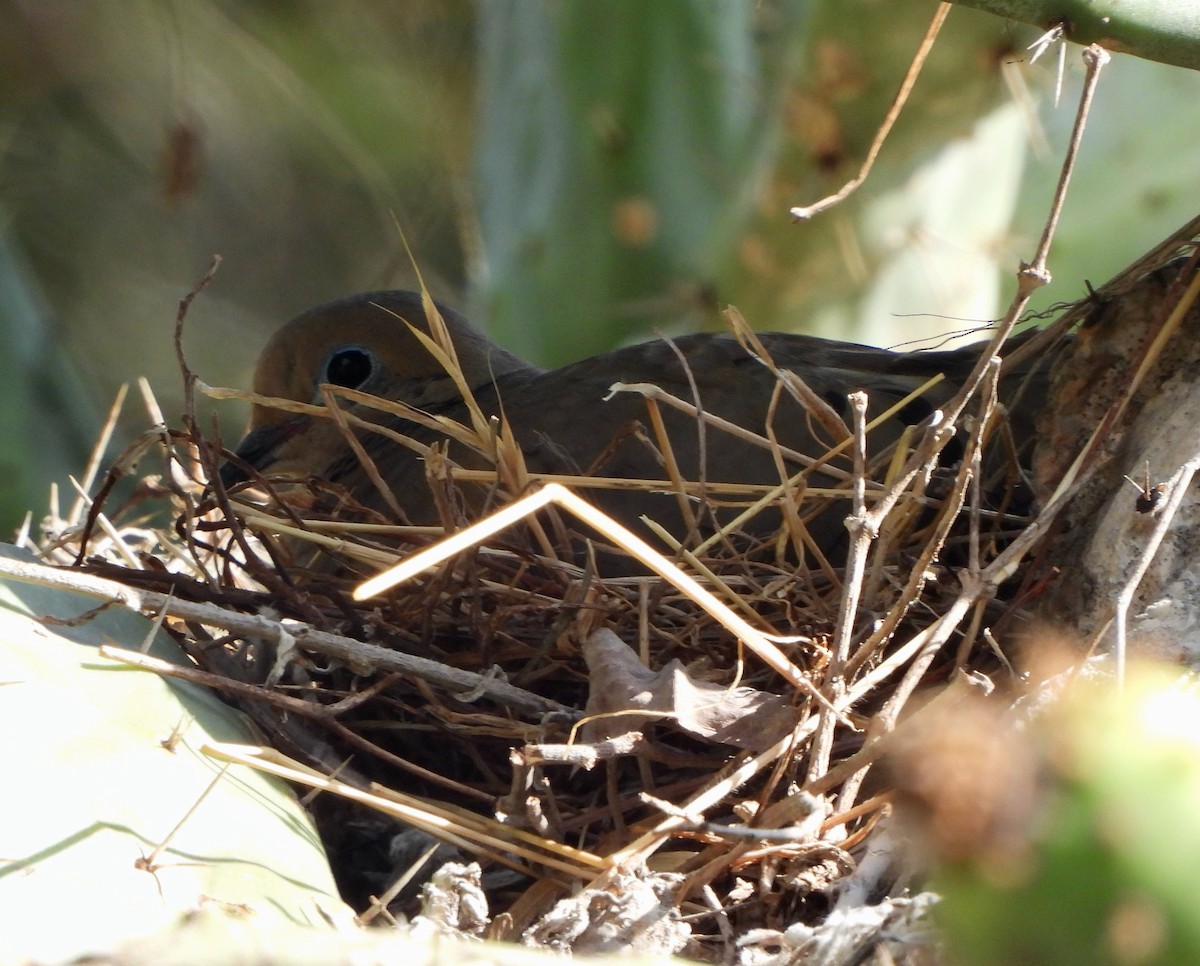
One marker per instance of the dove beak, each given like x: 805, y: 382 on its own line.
x: 262, y: 449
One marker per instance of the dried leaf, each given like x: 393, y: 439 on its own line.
x: 620, y: 684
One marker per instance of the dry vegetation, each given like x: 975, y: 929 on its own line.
x: 566, y: 729
x: 627, y: 760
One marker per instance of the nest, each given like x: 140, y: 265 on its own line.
x: 648, y: 761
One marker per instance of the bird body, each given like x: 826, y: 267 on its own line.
x: 567, y: 421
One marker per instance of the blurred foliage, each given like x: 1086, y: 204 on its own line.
x: 1103, y: 869
x: 636, y: 133
x: 575, y: 174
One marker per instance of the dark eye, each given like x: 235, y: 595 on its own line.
x: 350, y: 367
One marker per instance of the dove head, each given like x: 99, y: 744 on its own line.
x: 365, y: 343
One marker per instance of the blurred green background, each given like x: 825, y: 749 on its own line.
x: 574, y: 174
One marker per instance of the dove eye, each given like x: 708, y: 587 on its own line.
x: 349, y: 366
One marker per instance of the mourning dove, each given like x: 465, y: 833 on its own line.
x: 566, y: 420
